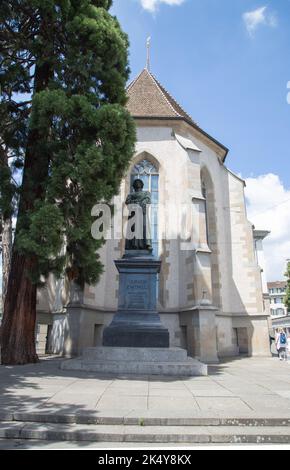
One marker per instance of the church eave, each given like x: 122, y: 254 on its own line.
x: 190, y: 123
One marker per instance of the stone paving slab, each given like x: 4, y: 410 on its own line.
x: 248, y: 386
x: 224, y: 404
x: 172, y: 404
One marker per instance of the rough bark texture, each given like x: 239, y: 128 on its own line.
x: 6, y: 254
x: 18, y: 327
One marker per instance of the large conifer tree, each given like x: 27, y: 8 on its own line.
x: 63, y: 77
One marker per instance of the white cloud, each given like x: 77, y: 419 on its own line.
x: 151, y: 5
x: 268, y: 203
x: 260, y: 16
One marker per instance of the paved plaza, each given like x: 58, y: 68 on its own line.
x: 247, y: 386
x: 242, y: 400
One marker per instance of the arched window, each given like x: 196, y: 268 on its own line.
x: 208, y: 192
x: 204, y: 193
x: 148, y: 173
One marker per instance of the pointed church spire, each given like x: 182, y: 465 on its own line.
x: 148, y: 44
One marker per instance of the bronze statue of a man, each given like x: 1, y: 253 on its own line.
x: 143, y: 199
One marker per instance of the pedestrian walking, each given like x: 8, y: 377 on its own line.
x: 281, y: 344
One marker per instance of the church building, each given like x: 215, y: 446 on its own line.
x: 209, y: 290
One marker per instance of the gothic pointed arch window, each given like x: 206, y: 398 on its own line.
x: 208, y: 192
x: 204, y: 193
x: 149, y: 174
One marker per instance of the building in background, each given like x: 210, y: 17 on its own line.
x: 279, y: 315
x: 277, y: 291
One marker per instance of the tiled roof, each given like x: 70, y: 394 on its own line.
x: 277, y: 284
x: 148, y: 99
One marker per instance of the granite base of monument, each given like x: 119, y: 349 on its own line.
x: 137, y: 322
x: 136, y: 342
x: 172, y: 362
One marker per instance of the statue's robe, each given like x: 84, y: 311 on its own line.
x: 142, y: 199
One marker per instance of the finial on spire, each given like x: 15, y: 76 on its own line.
x: 148, y: 53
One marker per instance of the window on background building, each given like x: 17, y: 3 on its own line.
x: 280, y: 311
x: 148, y: 173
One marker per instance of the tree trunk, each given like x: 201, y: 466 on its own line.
x: 19, y: 318
x: 6, y: 254
x: 18, y: 325
x: 19, y: 313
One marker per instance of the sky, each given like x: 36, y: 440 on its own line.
x: 228, y: 64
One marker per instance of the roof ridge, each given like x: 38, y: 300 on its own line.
x: 134, y: 80
x: 165, y: 91
x: 160, y: 88
x: 148, y: 99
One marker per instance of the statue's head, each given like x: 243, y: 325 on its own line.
x: 138, y: 185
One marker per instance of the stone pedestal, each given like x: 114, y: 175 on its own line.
x: 137, y: 322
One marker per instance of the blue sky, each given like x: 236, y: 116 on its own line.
x: 227, y: 62
x: 232, y: 83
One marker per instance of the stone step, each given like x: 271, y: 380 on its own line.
x: 135, y: 354
x: 146, y: 434
x: 140, y: 361
x: 188, y: 368
x: 97, y: 418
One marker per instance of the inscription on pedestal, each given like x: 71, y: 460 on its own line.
x: 137, y: 294
x: 137, y: 323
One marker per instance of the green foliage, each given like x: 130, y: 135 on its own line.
x: 73, y: 120
x: 43, y: 235
x: 7, y: 191
x: 287, y: 295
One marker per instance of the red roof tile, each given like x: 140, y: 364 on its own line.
x: 148, y: 99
